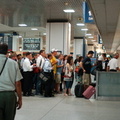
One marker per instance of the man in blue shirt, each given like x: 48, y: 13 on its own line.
x: 86, y: 66
x: 47, y: 68
x: 58, y: 73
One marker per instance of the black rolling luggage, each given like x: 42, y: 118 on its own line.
x: 79, y: 89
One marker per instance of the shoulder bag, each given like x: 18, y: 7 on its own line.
x: 3, y: 66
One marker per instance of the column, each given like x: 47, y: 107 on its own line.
x: 118, y: 51
x: 79, y: 46
x: 58, y: 36
x: 15, y: 43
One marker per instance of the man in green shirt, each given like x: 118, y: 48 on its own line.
x: 10, y: 77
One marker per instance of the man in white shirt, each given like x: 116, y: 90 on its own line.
x: 113, y: 63
x: 40, y: 63
x: 41, y: 59
x: 27, y: 75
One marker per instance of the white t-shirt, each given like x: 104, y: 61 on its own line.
x: 113, y: 64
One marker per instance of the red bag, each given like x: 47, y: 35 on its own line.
x: 36, y: 70
x: 89, y: 92
x: 77, y: 69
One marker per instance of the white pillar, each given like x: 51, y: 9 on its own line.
x: 15, y: 43
x: 79, y: 46
x: 58, y: 36
x: 118, y: 51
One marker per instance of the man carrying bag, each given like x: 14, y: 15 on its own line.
x: 10, y: 77
x: 47, y: 68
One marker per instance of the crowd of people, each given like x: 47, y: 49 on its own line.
x: 60, y: 69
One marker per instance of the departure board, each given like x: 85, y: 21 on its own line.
x: 31, y: 44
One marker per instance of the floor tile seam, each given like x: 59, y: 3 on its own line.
x: 52, y: 108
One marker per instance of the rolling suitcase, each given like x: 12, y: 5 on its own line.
x: 89, y: 92
x: 79, y: 89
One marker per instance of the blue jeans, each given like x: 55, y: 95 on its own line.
x: 38, y: 85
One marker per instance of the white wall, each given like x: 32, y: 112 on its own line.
x: 58, y: 36
x: 78, y: 47
x: 15, y: 43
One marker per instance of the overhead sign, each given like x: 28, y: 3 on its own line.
x: 31, y: 44
x: 100, y: 40
x: 87, y: 15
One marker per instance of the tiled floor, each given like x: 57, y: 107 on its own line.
x: 67, y: 108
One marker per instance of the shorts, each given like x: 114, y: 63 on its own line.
x: 68, y: 84
x: 58, y: 78
x: 86, y: 79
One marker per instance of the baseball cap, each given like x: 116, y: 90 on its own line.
x: 54, y: 50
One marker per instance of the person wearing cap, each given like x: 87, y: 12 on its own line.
x: 113, y: 63
x: 86, y: 66
x: 54, y: 61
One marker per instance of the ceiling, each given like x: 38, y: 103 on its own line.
x: 107, y: 17
x: 36, y: 13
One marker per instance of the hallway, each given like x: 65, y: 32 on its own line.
x: 67, y: 108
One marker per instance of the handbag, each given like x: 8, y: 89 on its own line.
x: 77, y: 69
x: 80, y: 72
x: 44, y: 77
x: 36, y: 70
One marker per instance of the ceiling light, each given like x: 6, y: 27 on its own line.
x: 88, y: 34
x: 34, y: 29
x: 66, y: 3
x: 44, y: 33
x: 91, y: 37
x: 20, y: 36
x: 85, y: 29
x: 22, y: 25
x: 93, y: 40
x: 80, y: 24
x: 69, y: 11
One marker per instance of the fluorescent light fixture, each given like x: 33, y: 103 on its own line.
x: 44, y: 33
x: 80, y: 24
x: 20, y: 36
x: 88, y: 34
x: 69, y: 11
x: 22, y: 25
x: 93, y: 40
x: 34, y: 29
x: 91, y: 37
x: 85, y: 29
x: 20, y: 49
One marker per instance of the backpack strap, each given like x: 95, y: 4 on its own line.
x: 3, y: 65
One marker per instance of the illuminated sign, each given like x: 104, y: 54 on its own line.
x: 87, y: 15
x: 31, y: 44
